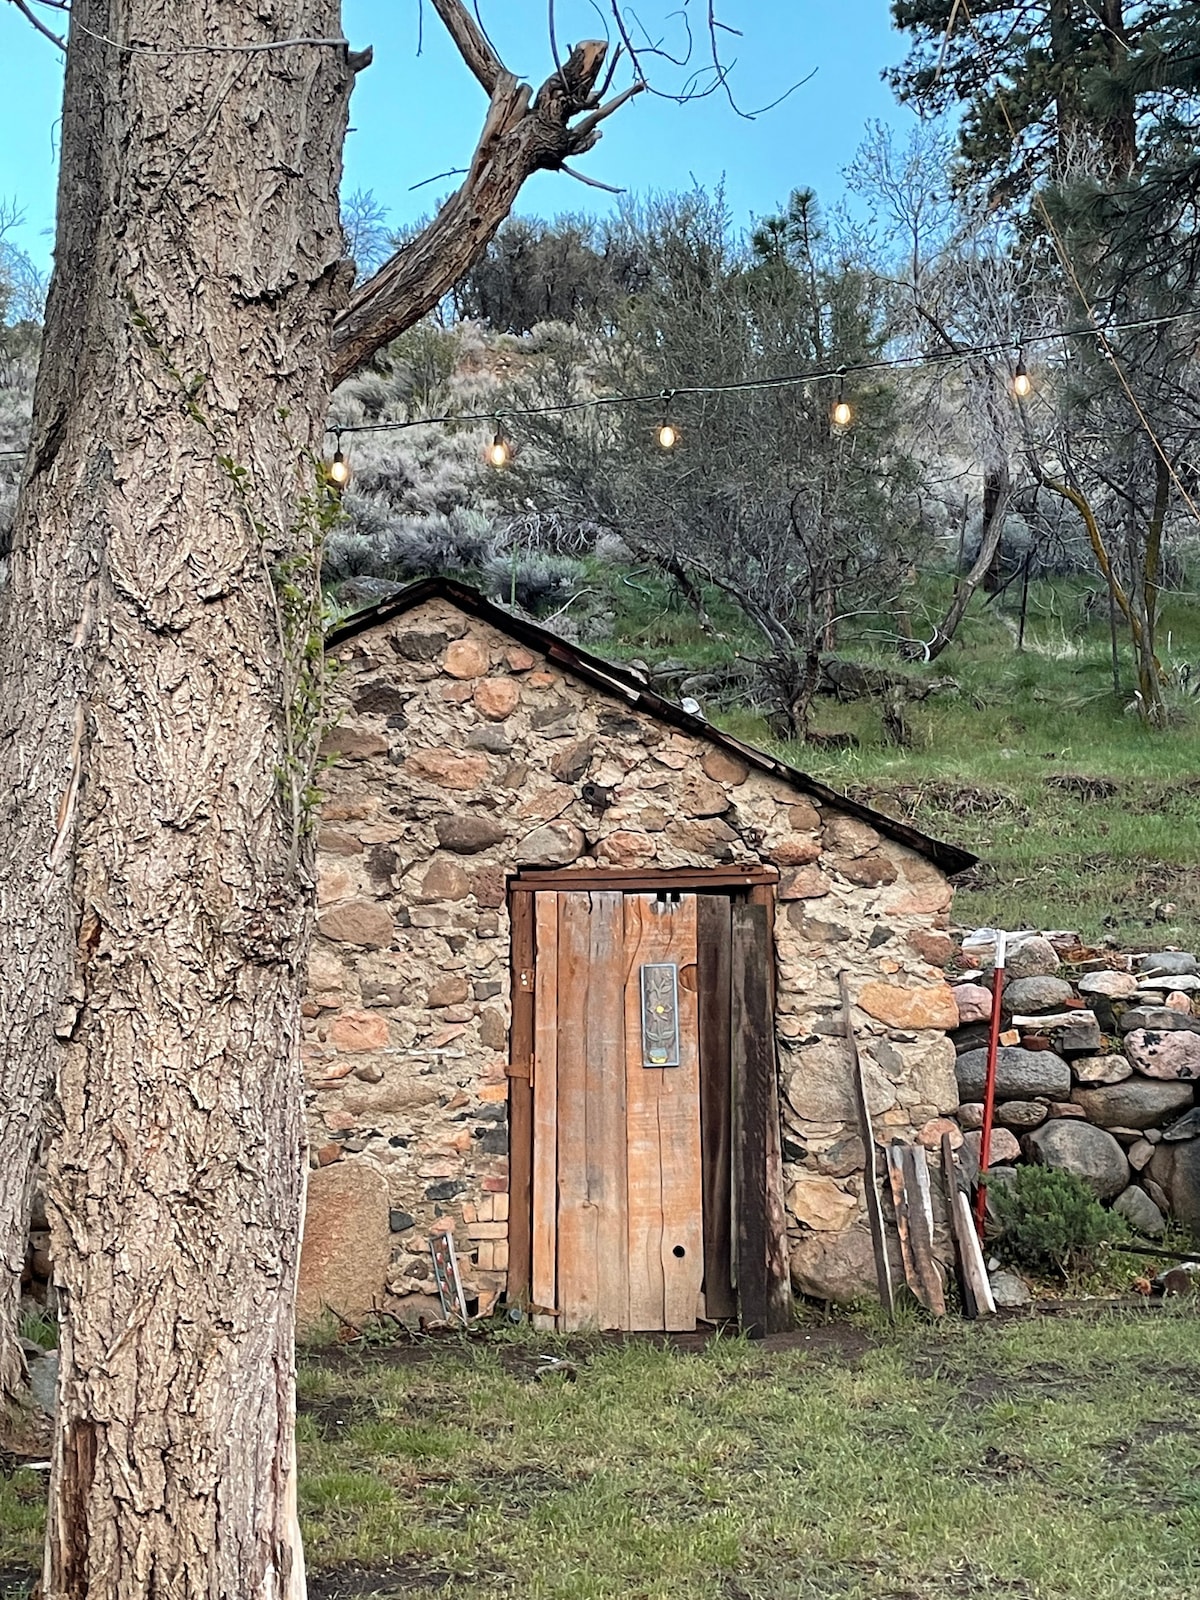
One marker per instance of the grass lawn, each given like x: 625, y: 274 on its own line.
x: 1054, y: 1457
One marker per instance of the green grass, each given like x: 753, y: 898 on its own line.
x: 999, y: 764
x: 1043, y: 1459
x: 1037, y: 1458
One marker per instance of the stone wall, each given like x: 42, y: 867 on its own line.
x: 1096, y: 1072
x: 462, y: 756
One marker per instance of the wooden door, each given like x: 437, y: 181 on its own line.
x: 617, y: 1182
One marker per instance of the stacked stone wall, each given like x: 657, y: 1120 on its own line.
x: 1096, y: 1073
x: 461, y: 757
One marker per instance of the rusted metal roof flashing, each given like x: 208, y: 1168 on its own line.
x: 618, y: 681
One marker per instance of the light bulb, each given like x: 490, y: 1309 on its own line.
x: 668, y: 437
x: 339, y: 471
x: 842, y: 414
x: 1022, y: 384
x: 499, y: 452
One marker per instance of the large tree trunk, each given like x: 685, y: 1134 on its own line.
x: 47, y: 601
x: 185, y: 450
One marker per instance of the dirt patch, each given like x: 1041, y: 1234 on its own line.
x: 355, y: 1582
x: 836, y: 1340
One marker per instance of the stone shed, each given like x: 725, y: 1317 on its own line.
x: 574, y: 990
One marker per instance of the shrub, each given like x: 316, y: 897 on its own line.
x: 1052, y: 1221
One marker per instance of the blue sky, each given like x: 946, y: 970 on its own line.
x: 415, y: 116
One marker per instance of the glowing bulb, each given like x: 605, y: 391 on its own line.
x: 339, y: 471
x: 842, y: 414
x: 668, y: 437
x: 499, y: 452
x: 1022, y: 384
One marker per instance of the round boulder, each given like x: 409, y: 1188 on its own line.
x: 835, y: 1266
x: 1173, y: 1056
x: 1175, y: 1169
x: 1036, y: 994
x: 1020, y: 1074
x: 1034, y: 957
x: 974, y: 1003
x: 1140, y: 1212
x: 1176, y: 963
x: 1114, y: 1068
x: 1020, y: 1113
x: 1135, y: 1103
x: 1090, y: 1153
x: 1107, y: 985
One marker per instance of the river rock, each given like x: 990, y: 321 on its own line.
x: 1174, y: 1056
x: 1176, y: 1169
x: 1138, y: 1155
x: 974, y: 1003
x: 1020, y: 1113
x: 1178, y: 1001
x: 1160, y: 1019
x: 1175, y: 962
x: 1185, y: 982
x: 1036, y: 994
x: 1135, y: 1103
x: 1108, y: 985
x: 1020, y: 1074
x: 1009, y: 1291
x: 1033, y: 957
x: 1102, y: 1069
x: 1140, y: 1212
x: 835, y: 1266
x: 1187, y: 1127
x: 970, y: 1114
x: 1002, y: 1149
x: 1090, y: 1153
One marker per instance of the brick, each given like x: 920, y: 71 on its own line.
x: 488, y: 1230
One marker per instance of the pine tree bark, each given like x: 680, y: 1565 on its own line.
x: 166, y: 552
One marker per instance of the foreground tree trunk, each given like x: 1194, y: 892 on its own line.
x: 175, y: 471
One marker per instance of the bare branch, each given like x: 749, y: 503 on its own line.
x: 41, y: 27
x: 583, y: 130
x: 472, y: 42
x: 592, y: 183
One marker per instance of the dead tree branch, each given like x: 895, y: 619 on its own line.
x: 523, y: 133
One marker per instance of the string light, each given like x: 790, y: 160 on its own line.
x: 339, y: 468
x: 668, y: 433
x: 499, y: 452
x: 1022, y: 384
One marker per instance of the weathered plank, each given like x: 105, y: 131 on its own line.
x: 647, y: 1288
x: 931, y: 1290
x: 679, y: 1133
x: 950, y: 1186
x: 883, y: 1270
x: 577, y: 1271
x: 753, y: 1065
x: 545, y: 1116
x: 520, y: 1101
x: 606, y: 1158
x: 713, y: 956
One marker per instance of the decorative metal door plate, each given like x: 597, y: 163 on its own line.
x: 660, y: 1014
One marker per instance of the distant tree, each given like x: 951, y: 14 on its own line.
x: 801, y: 524
x: 369, y: 240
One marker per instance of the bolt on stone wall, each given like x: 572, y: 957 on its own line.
x: 460, y: 757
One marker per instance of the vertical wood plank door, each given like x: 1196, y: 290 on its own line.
x: 618, y: 1234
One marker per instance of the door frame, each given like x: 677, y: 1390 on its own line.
x: 758, y: 1241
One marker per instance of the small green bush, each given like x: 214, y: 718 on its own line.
x: 1052, y: 1222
